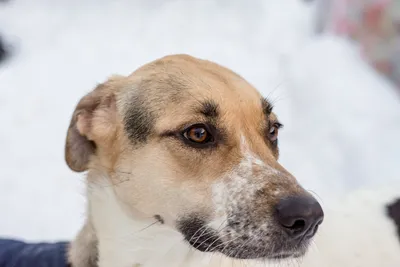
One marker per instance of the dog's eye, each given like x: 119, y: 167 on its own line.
x: 198, y: 134
x: 273, y: 132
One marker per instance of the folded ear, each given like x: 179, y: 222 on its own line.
x: 94, y: 116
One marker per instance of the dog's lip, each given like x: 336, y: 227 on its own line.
x: 260, y: 253
x: 285, y: 255
x: 281, y: 256
x: 207, y: 239
x: 213, y: 244
x: 210, y: 242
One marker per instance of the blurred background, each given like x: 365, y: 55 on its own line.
x: 331, y: 68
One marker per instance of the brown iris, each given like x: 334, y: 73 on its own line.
x: 197, y: 134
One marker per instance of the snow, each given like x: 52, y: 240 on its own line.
x: 342, y: 120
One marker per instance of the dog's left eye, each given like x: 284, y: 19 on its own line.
x: 198, y: 134
x: 273, y: 131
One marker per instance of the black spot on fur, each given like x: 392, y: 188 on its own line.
x: 159, y: 218
x: 139, y: 121
x: 393, y: 211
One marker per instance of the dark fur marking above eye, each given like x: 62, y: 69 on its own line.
x: 210, y: 109
x: 266, y: 106
x: 277, y: 124
x: 138, y: 121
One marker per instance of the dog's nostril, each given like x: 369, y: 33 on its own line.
x: 298, y: 225
x: 292, y: 225
x: 299, y: 216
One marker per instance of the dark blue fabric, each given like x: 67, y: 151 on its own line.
x: 14, y: 253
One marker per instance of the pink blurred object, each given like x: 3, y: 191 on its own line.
x: 374, y: 24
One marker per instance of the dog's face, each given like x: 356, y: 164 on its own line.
x: 194, y: 145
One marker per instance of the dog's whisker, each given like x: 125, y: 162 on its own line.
x: 204, y: 227
x: 147, y: 227
x: 217, y: 237
x: 201, y: 235
x: 268, y: 97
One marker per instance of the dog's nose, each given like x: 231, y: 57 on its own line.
x: 299, y: 216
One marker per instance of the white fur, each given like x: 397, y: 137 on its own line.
x: 129, y: 240
x: 125, y: 241
x: 356, y: 232
x: 238, y: 186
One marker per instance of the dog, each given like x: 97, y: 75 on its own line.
x: 182, y: 170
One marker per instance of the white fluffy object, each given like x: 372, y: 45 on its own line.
x: 357, y: 232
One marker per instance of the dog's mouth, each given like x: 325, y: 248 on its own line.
x: 276, y: 247
x: 212, y: 243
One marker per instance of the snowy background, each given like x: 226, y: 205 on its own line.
x: 342, y: 120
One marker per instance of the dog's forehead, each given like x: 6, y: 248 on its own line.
x: 182, y: 79
x: 181, y: 85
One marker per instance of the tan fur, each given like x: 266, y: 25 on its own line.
x: 161, y: 175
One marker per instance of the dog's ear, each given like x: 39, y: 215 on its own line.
x: 92, y: 121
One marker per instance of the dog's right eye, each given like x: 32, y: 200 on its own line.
x: 198, y: 134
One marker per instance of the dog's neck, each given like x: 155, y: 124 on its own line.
x: 124, y: 240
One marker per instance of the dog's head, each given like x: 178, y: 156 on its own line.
x: 193, y: 144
